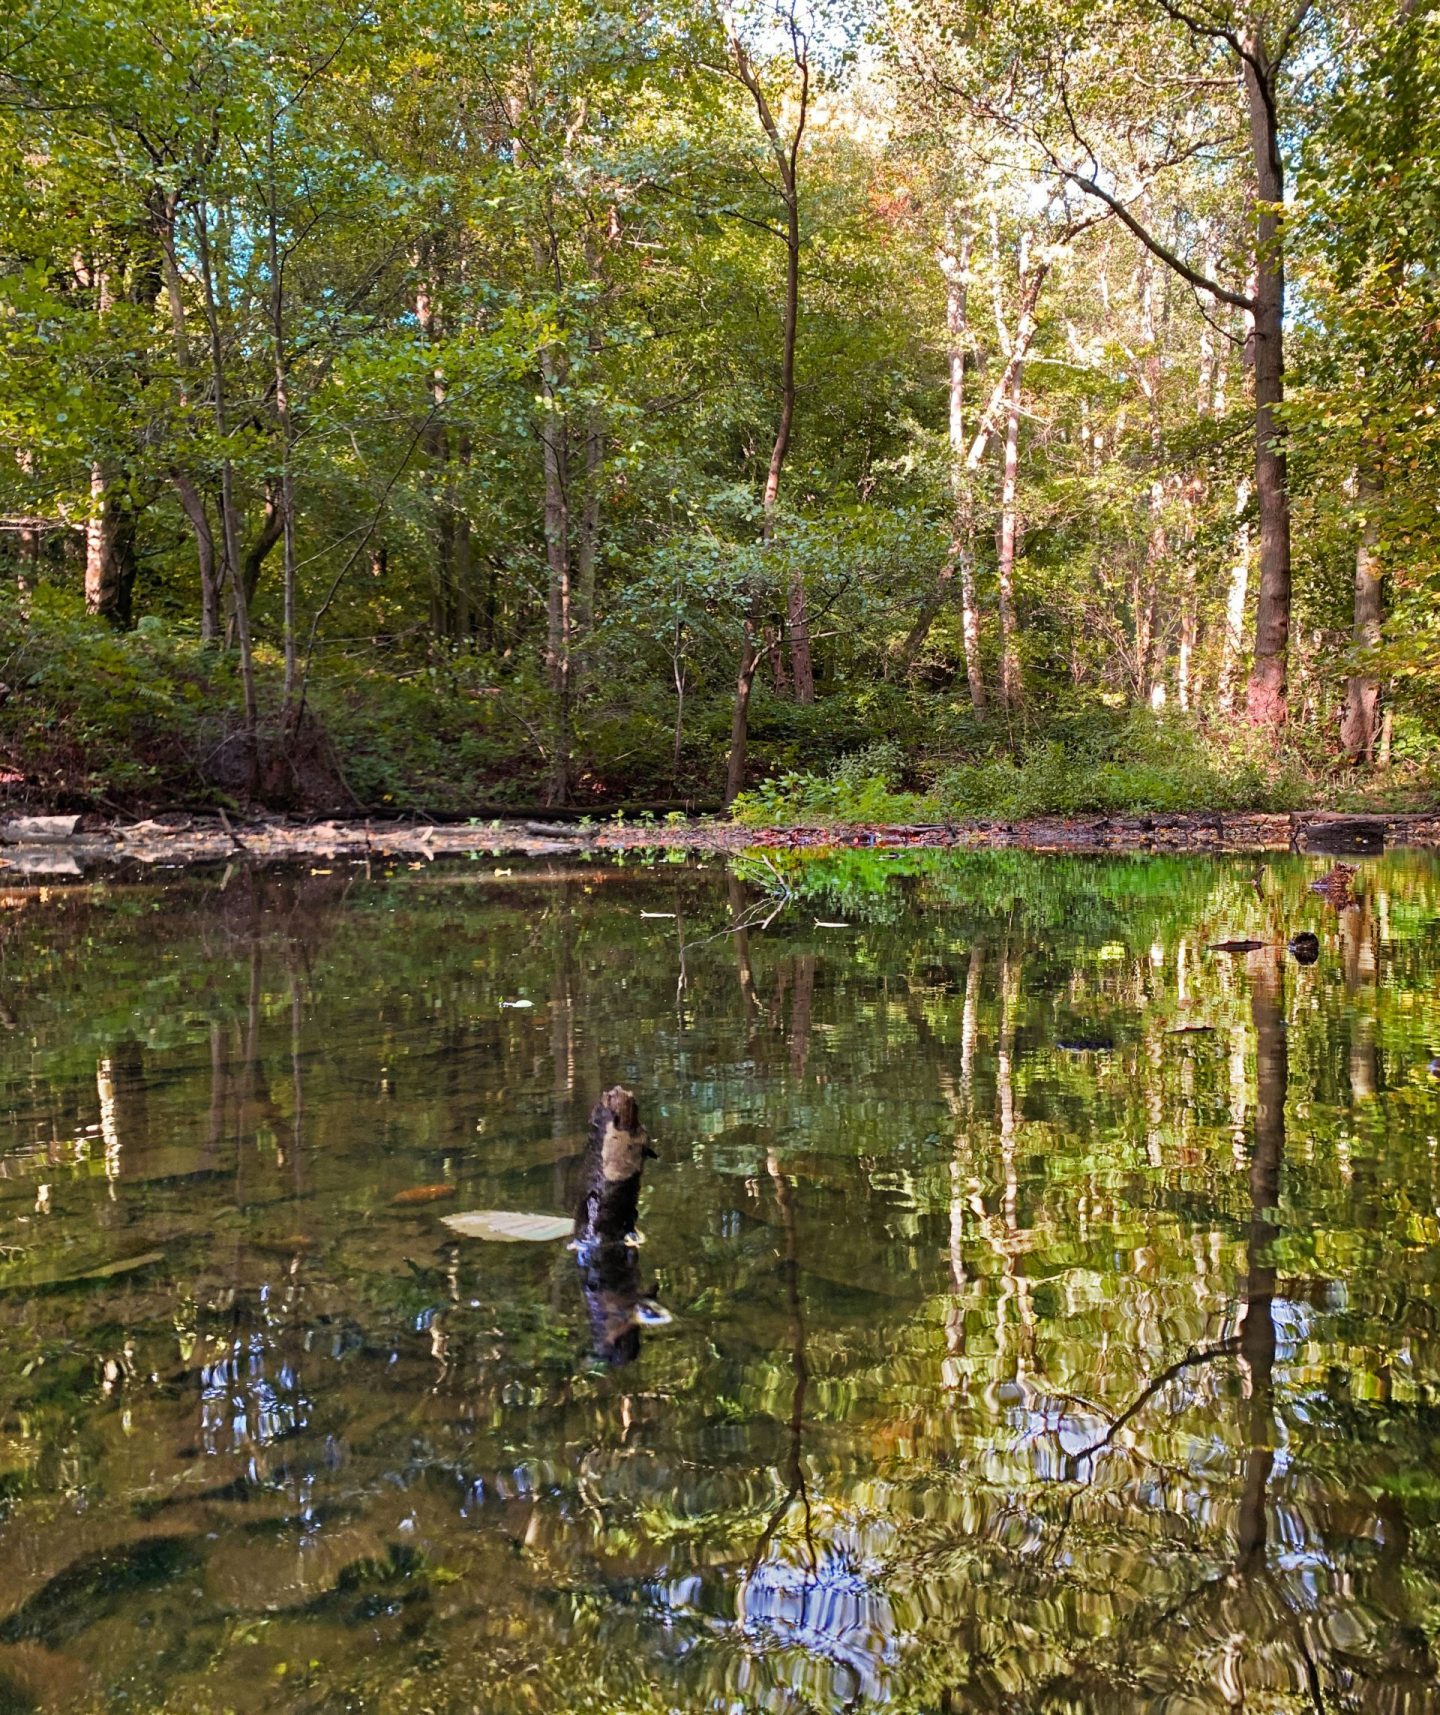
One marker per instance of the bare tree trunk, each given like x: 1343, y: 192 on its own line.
x: 109, y: 532
x: 677, y: 666
x: 797, y: 617
x: 464, y: 558
x: 1266, y: 697
x: 163, y: 209
x: 1008, y: 545
x: 280, y: 359
x: 1186, y: 653
x: 443, y: 581
x: 271, y: 531
x: 970, y: 631
x: 1362, y: 694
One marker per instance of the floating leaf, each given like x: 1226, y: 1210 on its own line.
x: 424, y: 1194
x: 509, y: 1226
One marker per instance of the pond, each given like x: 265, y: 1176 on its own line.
x: 1036, y: 1308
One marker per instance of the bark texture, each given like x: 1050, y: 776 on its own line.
x: 1267, y: 693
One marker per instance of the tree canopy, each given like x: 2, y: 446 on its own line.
x: 460, y: 403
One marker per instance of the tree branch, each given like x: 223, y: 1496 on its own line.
x: 1239, y: 299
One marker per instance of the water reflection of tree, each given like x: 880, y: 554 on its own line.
x: 1224, y: 1372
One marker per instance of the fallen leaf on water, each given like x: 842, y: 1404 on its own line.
x: 424, y: 1194
x: 509, y: 1226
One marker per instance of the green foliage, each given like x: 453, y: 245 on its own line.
x: 1141, y: 765
x: 467, y: 244
x: 1090, y: 764
x: 99, y: 718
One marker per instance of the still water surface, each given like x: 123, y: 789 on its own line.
x: 1053, y: 1300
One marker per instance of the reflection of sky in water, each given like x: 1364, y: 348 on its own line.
x: 832, y: 1610
x: 248, y: 1398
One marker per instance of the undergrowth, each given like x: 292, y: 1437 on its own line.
x: 1102, y: 764
x: 95, y: 719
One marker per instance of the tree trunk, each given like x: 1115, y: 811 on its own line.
x: 798, y: 620
x: 1184, y: 685
x: 961, y: 556
x: 281, y: 363
x: 1008, y: 546
x: 1267, y: 691
x: 109, y: 552
x: 1157, y: 546
x: 970, y: 631
x: 587, y: 547
x: 955, y: 264
x: 677, y: 667
x: 464, y: 555
x: 195, y: 510
x: 1362, y: 694
x: 272, y: 529
x: 107, y: 538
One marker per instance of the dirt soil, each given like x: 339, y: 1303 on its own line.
x: 190, y: 839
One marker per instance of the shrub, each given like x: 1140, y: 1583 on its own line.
x: 1094, y: 763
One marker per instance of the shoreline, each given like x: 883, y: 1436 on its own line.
x: 60, y: 846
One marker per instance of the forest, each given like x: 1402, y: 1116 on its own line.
x: 831, y: 408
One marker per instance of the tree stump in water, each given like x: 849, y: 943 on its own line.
x: 610, y: 1172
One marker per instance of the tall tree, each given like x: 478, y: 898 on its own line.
x: 1146, y: 89
x: 784, y: 148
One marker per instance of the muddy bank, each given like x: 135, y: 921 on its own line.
x: 60, y: 846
